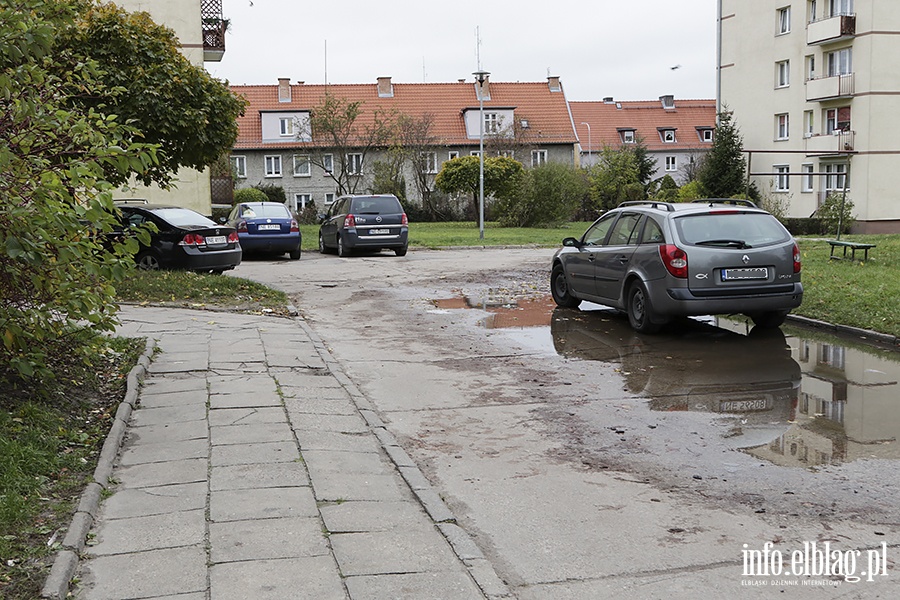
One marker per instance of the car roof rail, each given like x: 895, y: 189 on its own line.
x: 735, y: 201
x: 131, y: 201
x: 654, y: 203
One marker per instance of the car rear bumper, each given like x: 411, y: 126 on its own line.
x: 270, y: 243
x: 218, y: 260
x: 680, y: 301
x: 355, y: 239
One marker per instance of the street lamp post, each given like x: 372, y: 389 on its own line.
x: 480, y: 76
x: 588, y: 125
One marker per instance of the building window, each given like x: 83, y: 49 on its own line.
x: 836, y: 177
x: 782, y: 178
x: 837, y: 119
x: 301, y: 201
x: 839, y: 62
x: 475, y: 153
x: 273, y: 166
x: 628, y: 136
x: 302, y: 167
x: 239, y: 166
x: 329, y: 199
x: 808, y: 123
x: 839, y: 7
x: 491, y: 123
x: 810, y: 67
x: 671, y: 163
x: 354, y: 164
x: 328, y: 163
x: 286, y: 126
x: 538, y: 157
x: 806, y: 180
x: 782, y: 127
x: 783, y: 73
x: 667, y: 135
x: 429, y: 162
x: 452, y: 154
x: 706, y: 135
x: 811, y: 10
x: 784, y: 20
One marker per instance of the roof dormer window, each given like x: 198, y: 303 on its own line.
x: 667, y: 136
x: 627, y: 136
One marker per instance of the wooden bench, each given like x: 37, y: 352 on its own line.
x: 852, y: 246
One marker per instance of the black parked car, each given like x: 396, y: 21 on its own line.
x: 370, y: 222
x: 184, y: 239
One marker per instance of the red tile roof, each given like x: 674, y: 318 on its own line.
x: 546, y: 111
x: 645, y: 117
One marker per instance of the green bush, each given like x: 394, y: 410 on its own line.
x: 249, y: 195
x: 548, y: 195
x: 832, y: 217
x: 274, y: 193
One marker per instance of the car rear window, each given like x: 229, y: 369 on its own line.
x: 181, y: 217
x: 376, y: 205
x: 754, y: 229
x: 269, y: 211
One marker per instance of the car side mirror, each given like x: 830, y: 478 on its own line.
x: 571, y: 242
x: 223, y: 220
x: 322, y: 217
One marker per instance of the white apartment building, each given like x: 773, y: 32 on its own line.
x: 201, y: 31
x: 815, y: 93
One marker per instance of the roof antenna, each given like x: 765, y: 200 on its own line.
x: 326, y: 62
x: 478, y: 48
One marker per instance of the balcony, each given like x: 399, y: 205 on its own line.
x: 830, y: 143
x: 832, y: 29
x: 214, y: 27
x: 830, y: 88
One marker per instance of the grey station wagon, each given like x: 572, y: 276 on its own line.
x: 366, y: 222
x: 658, y: 260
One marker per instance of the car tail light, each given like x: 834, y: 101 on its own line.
x: 242, y: 226
x: 404, y: 220
x: 294, y: 225
x: 796, y: 258
x: 349, y: 221
x: 233, y: 238
x: 192, y: 239
x: 675, y: 260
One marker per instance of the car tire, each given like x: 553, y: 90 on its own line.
x: 640, y: 311
x: 342, y: 249
x: 322, y: 247
x: 401, y: 251
x: 147, y: 261
x: 770, y: 319
x: 295, y: 254
x: 559, y: 289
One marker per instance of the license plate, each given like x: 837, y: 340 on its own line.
x: 743, y: 405
x: 736, y: 274
x: 379, y: 231
x: 215, y: 239
x: 273, y: 227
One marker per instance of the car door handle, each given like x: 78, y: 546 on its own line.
x: 591, y: 257
x: 622, y: 258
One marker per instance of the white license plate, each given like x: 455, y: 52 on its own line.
x: 273, y: 227
x: 379, y: 231
x: 215, y: 239
x: 743, y: 405
x: 736, y: 274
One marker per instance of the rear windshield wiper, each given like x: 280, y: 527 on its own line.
x: 729, y: 243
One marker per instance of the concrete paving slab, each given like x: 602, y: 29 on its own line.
x: 414, y: 586
x: 158, y: 500
x: 244, y: 400
x: 145, y: 574
x: 334, y: 486
x: 254, y: 433
x: 264, y: 503
x: 159, y: 474
x: 267, y: 538
x: 168, y: 415
x: 248, y: 454
x: 243, y: 384
x: 159, y: 386
x: 170, y: 432
x: 314, y: 380
x: 181, y: 363
x: 195, y: 398
x: 139, y: 534
x: 344, y: 423
x: 346, y: 462
x: 246, y: 416
x: 137, y: 452
x: 333, y: 440
x: 394, y: 551
x: 361, y: 516
x: 237, y: 477
x: 316, y: 404
x: 309, y: 578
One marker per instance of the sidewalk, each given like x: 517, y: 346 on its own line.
x: 253, y: 468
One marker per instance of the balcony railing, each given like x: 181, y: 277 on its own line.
x: 829, y: 88
x: 831, y: 143
x: 833, y: 29
x: 214, y: 27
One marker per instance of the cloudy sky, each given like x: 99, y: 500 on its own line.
x: 626, y: 50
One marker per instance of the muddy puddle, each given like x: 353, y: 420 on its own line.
x: 791, y: 396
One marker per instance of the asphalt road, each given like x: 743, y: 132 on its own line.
x: 581, y: 477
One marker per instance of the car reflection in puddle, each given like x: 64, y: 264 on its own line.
x: 788, y: 396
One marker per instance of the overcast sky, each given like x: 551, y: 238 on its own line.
x: 626, y: 50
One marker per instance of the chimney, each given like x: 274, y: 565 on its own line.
x: 555, y: 85
x: 284, y: 89
x: 385, y: 89
x: 668, y: 102
x: 483, y: 92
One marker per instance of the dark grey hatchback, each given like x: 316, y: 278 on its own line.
x: 366, y: 222
x: 660, y: 260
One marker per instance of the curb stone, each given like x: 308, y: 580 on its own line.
x: 56, y: 586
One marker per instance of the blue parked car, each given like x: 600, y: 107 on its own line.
x: 266, y: 227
